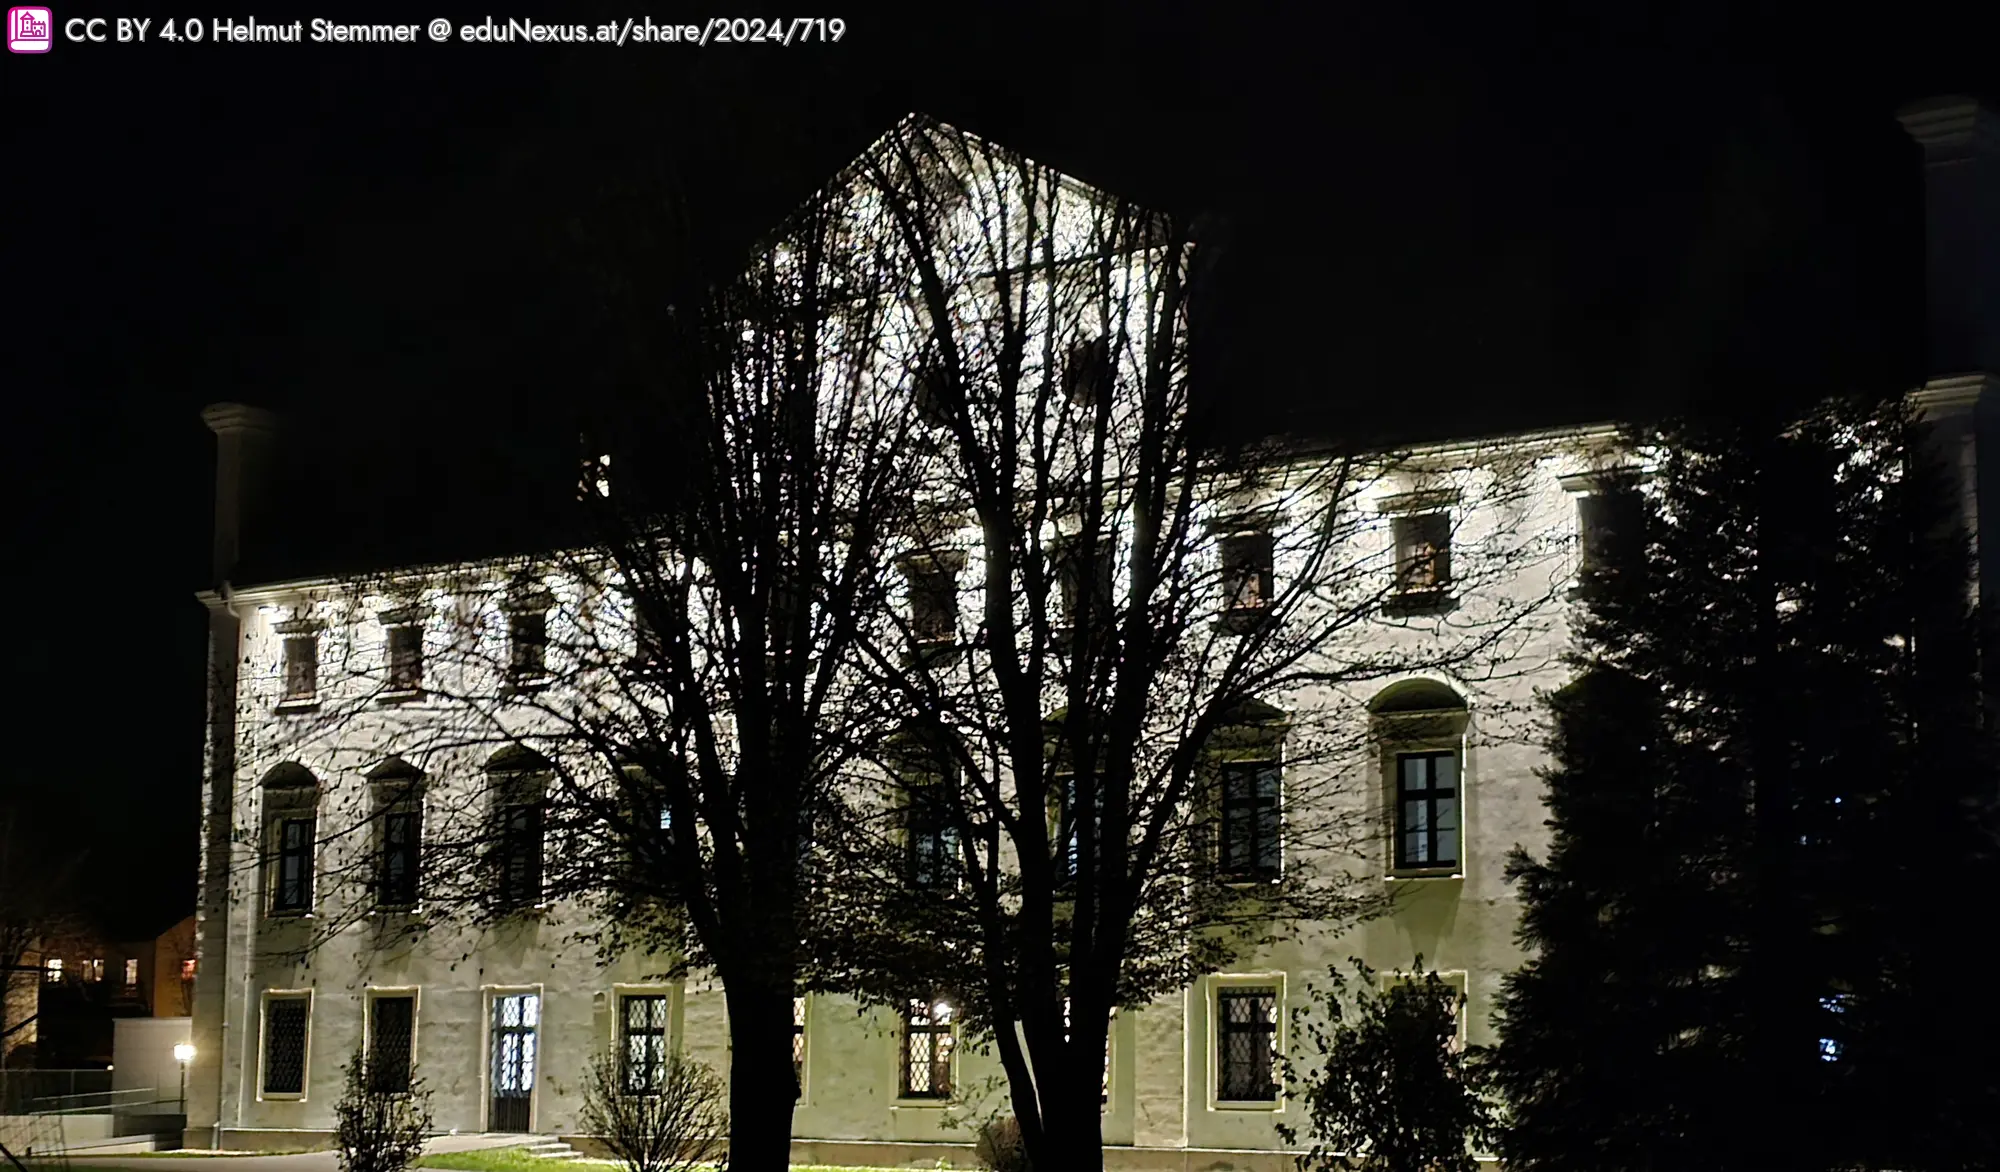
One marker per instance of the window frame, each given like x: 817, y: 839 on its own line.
x: 380, y: 993
x: 298, y: 674
x: 1239, y: 984
x: 1412, y: 532
x: 411, y: 851
x: 402, y: 657
x: 938, y: 827
x: 512, y: 838
x: 1255, y: 874
x: 1069, y: 557
x: 305, y: 853
x: 1399, y: 863
x: 270, y: 997
x: 524, y: 669
x: 623, y: 997
x: 1258, y: 569
x: 932, y: 1029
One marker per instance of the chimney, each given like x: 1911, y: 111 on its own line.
x: 1961, y: 141
x: 243, y: 438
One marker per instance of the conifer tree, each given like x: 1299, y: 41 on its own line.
x: 1766, y: 778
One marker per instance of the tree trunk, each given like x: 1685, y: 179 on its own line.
x: 761, y: 1086
x: 1074, y: 1124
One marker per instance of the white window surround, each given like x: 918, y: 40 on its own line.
x: 486, y: 995
x: 368, y: 997
x: 263, y: 1044
x: 1212, y: 1040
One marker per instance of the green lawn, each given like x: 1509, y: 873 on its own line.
x: 516, y: 1160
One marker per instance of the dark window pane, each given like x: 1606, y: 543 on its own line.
x: 390, y: 1030
x: 1251, y: 821
x: 406, y: 657
x: 521, y: 855
x: 285, y: 1046
x: 1248, y: 1029
x: 1427, y: 809
x: 1423, y: 551
x: 645, y: 1042
x: 401, y: 846
x: 527, y: 642
x: 1247, y: 571
x: 301, y: 667
x: 294, y: 879
x: 933, y: 606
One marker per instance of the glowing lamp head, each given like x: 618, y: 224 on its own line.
x: 184, y: 1053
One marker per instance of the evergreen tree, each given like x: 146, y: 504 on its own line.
x: 1767, y: 781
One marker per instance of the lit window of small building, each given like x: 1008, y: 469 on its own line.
x: 131, y: 972
x: 52, y: 969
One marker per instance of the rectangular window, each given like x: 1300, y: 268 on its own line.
x: 1086, y: 579
x: 406, y: 657
x: 293, y: 890
x: 927, y: 1044
x: 933, y: 606
x: 285, y: 1045
x: 301, y: 668
x: 930, y: 829
x: 1423, y: 552
x: 1248, y: 570
x: 52, y: 970
x: 799, y: 1046
x: 1604, y: 520
x: 131, y: 972
x: 1070, y: 830
x: 1087, y: 370
x: 527, y: 644
x: 1247, y: 1044
x: 1427, y: 809
x: 521, y: 855
x: 1251, y: 820
x: 392, y: 1025
x: 402, y: 848
x: 644, y: 1020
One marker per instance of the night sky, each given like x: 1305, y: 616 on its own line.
x: 1445, y: 221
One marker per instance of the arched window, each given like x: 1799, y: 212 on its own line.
x: 927, y: 774
x: 517, y: 783
x: 399, y: 815
x: 1420, y: 726
x: 1248, y: 752
x: 291, y: 810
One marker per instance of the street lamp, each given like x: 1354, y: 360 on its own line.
x: 184, y: 1054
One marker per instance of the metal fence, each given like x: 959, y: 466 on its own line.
x: 27, y: 1091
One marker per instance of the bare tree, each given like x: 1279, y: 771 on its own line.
x: 642, y: 735
x: 1082, y: 809
x: 37, y: 904
x: 661, y: 1114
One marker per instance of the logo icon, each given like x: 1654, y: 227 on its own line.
x: 30, y: 30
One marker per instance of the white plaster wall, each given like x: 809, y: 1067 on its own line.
x: 1160, y: 1056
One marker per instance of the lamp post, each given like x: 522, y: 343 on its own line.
x: 184, y: 1054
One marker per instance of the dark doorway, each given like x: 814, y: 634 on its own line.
x: 515, y: 1018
